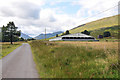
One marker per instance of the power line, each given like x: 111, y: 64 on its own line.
x: 100, y: 12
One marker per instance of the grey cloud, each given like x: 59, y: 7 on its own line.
x: 25, y: 10
x: 29, y: 10
x: 6, y: 12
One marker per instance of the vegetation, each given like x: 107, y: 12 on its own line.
x: 56, y: 35
x: 10, y: 33
x: 67, y: 32
x: 6, y: 48
x: 31, y: 39
x: 63, y: 34
x: 21, y: 39
x: 86, y: 32
x: 94, y: 25
x: 107, y: 34
x: 112, y: 30
x: 76, y: 59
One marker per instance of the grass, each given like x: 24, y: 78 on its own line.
x: 94, y: 25
x: 113, y: 30
x: 76, y: 59
x: 7, y: 48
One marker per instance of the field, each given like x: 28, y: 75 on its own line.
x: 76, y: 59
x: 6, y: 48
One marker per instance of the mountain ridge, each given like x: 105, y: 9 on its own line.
x: 48, y: 35
x: 25, y: 36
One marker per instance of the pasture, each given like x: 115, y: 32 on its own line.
x: 66, y: 59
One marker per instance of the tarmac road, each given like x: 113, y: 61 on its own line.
x: 19, y: 63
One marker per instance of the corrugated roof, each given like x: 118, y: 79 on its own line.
x: 70, y: 35
x: 76, y: 35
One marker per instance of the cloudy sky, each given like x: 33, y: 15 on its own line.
x: 32, y: 16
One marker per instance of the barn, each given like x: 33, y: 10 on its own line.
x: 74, y: 37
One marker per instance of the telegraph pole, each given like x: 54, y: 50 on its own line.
x: 45, y: 33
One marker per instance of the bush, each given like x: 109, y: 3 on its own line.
x: 107, y: 34
x: 56, y: 35
x: 86, y: 32
x: 67, y: 32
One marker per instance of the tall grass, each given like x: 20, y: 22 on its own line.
x: 60, y: 60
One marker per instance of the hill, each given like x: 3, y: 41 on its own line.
x: 42, y: 36
x: 94, y: 25
x: 25, y: 36
x: 113, y: 30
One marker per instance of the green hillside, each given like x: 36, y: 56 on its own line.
x: 113, y: 30
x: 101, y: 23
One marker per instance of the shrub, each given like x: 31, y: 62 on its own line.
x: 107, y: 34
x: 86, y: 32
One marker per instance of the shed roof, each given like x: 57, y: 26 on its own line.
x: 70, y: 35
x: 76, y: 35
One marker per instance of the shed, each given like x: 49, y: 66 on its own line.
x: 100, y: 36
x: 74, y: 37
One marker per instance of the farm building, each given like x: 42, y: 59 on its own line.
x: 74, y: 37
x: 100, y: 36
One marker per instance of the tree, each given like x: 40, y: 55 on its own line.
x: 56, y: 35
x: 29, y: 39
x: 10, y: 33
x: 0, y: 36
x: 67, y: 32
x: 33, y: 39
x: 22, y: 39
x: 86, y: 32
x: 107, y: 34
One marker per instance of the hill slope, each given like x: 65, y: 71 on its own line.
x: 113, y: 30
x: 42, y: 36
x: 101, y: 23
x: 25, y: 36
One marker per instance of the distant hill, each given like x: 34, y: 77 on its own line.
x: 94, y: 25
x: 25, y: 36
x: 42, y: 36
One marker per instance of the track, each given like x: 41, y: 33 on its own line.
x: 19, y: 63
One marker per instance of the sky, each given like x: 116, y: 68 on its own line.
x: 33, y: 16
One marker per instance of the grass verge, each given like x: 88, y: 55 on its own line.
x: 7, y: 48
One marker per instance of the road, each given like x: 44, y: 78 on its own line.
x: 19, y: 63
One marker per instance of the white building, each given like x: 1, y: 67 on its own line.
x: 74, y: 37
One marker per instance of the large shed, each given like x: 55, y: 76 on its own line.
x: 74, y: 37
